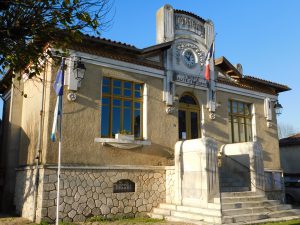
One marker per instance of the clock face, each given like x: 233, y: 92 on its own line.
x: 189, y: 57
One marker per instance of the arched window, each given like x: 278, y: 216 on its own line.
x: 188, y: 117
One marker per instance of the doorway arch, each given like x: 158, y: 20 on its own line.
x: 188, y: 117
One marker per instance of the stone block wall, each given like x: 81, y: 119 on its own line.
x: 89, y: 192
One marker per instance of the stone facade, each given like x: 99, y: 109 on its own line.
x: 274, y: 185
x: 170, y: 185
x: 89, y: 192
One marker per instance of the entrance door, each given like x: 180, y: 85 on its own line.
x: 188, y: 117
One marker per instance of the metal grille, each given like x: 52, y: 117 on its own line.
x: 124, y: 186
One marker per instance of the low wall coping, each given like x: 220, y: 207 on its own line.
x: 110, y: 167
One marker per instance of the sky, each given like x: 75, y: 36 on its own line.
x: 264, y: 36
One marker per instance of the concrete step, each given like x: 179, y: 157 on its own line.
x: 249, y: 218
x: 267, y: 209
x: 167, y: 206
x: 238, y: 194
x: 268, y: 220
x: 241, y: 199
x: 197, y: 216
x: 164, y: 212
x: 250, y: 204
x: 244, y: 218
x: 234, y: 189
x: 198, y: 210
x: 284, y: 213
x: 185, y: 220
x: 156, y: 216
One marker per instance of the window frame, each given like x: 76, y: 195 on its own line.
x: 241, y: 121
x: 111, y: 96
x: 189, y: 108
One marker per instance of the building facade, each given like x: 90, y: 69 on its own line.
x: 142, y: 128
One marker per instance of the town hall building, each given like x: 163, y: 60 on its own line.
x: 144, y: 133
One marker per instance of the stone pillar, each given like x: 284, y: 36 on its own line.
x: 256, y: 167
x: 196, y: 172
x: 165, y: 24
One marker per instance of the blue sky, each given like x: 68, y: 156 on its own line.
x: 263, y: 36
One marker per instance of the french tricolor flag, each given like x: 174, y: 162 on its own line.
x: 210, y: 55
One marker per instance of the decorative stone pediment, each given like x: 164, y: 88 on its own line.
x: 187, y: 23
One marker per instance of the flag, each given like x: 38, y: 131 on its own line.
x: 58, y: 88
x: 210, y: 55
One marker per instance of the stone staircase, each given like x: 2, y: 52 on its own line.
x: 237, y: 208
x: 250, y: 207
x: 196, y: 215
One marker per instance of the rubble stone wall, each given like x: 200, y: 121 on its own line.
x: 89, y: 192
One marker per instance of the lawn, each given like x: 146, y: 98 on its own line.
x: 130, y: 221
x: 290, y: 222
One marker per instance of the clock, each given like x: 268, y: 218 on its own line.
x: 189, y: 58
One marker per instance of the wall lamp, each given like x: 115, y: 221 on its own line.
x: 278, y: 108
x: 79, y: 70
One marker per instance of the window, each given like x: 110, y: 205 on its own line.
x: 121, y: 108
x: 188, y: 117
x: 240, y: 129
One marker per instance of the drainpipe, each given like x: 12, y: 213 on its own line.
x: 38, y: 148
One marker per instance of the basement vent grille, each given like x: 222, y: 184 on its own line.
x: 122, y: 186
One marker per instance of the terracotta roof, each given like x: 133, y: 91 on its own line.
x: 247, y: 82
x: 291, y: 140
x: 157, y: 47
x: 121, y: 51
x: 278, y: 86
x: 109, y: 41
x: 189, y: 14
x: 246, y: 85
x: 227, y: 67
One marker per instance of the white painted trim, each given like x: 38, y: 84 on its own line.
x: 273, y: 170
x: 145, y: 111
x: 11, y: 104
x: 117, y: 64
x: 253, y: 123
x: 244, y: 92
x: 100, y: 100
x: 118, y: 141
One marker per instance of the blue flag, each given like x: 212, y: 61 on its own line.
x: 58, y: 88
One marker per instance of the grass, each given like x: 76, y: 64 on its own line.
x: 290, y: 222
x: 139, y: 220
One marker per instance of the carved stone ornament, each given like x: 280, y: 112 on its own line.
x: 182, y: 46
x: 212, y: 115
x: 71, y: 96
x: 190, y: 79
x: 170, y: 110
x: 183, y: 22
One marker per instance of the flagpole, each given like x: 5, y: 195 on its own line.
x: 59, y: 145
x: 58, y: 181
